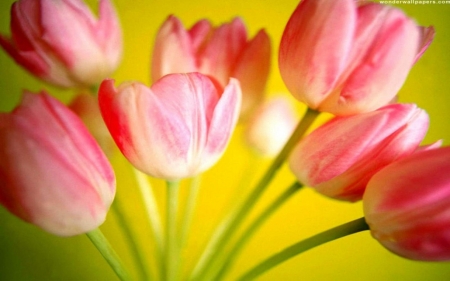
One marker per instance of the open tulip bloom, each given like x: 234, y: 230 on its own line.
x: 355, y: 68
x: 177, y: 128
x: 345, y: 57
x: 63, y: 43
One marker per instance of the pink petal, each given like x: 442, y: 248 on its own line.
x: 109, y: 34
x: 173, y: 51
x: 221, y: 52
x: 30, y: 60
x: 76, y: 185
x: 382, y: 55
x: 222, y: 125
x: 315, y: 46
x: 339, y: 157
x: 199, y: 33
x: 252, y: 70
x: 427, y: 36
x: 406, y: 206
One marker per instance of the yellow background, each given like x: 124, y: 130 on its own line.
x: 27, y: 253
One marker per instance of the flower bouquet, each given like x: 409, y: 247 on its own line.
x: 225, y: 154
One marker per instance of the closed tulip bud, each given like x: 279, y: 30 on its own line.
x: 63, y: 43
x: 177, y: 128
x: 340, y: 157
x: 407, y: 206
x: 271, y: 125
x: 346, y: 58
x: 220, y: 52
x: 52, y: 172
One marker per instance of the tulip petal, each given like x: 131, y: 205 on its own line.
x: 75, y: 24
x: 173, y: 51
x: 108, y: 33
x: 252, y: 71
x: 406, y: 206
x: 222, y: 124
x: 385, y: 46
x: 222, y: 51
x: 427, y: 36
x: 313, y: 51
x: 77, y: 184
x: 339, y: 157
x: 199, y: 33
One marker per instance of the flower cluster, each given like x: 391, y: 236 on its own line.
x: 206, y: 80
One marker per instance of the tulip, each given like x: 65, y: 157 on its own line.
x: 221, y: 52
x: 338, y: 158
x: 270, y: 126
x: 52, y: 172
x: 63, y: 43
x: 346, y: 58
x: 407, y: 206
x: 177, y: 128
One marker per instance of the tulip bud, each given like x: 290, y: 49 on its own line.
x: 269, y: 128
x: 63, y: 43
x: 52, y: 172
x: 220, y: 52
x: 177, y: 128
x: 407, y: 206
x: 355, y: 68
x: 340, y: 157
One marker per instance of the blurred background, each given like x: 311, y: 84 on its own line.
x: 27, y: 253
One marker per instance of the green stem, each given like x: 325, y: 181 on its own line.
x: 188, y: 212
x: 302, y: 246
x: 230, y: 224
x: 153, y: 215
x: 101, y: 243
x: 172, y: 246
x: 223, y: 265
x: 138, y: 255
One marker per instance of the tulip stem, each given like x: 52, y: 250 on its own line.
x: 188, y: 212
x: 153, y: 214
x: 172, y: 245
x: 343, y: 230
x: 138, y: 255
x: 229, y: 225
x: 101, y: 243
x: 227, y: 261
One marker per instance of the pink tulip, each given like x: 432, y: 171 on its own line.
x: 407, y: 206
x: 271, y: 125
x: 221, y: 52
x: 345, y: 58
x: 63, y: 43
x: 52, y: 172
x: 177, y: 128
x: 338, y: 158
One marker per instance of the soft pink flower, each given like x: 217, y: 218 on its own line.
x: 345, y: 58
x: 338, y: 158
x: 271, y: 125
x: 220, y: 52
x: 63, y: 43
x: 177, y: 128
x: 52, y: 172
x: 407, y: 206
